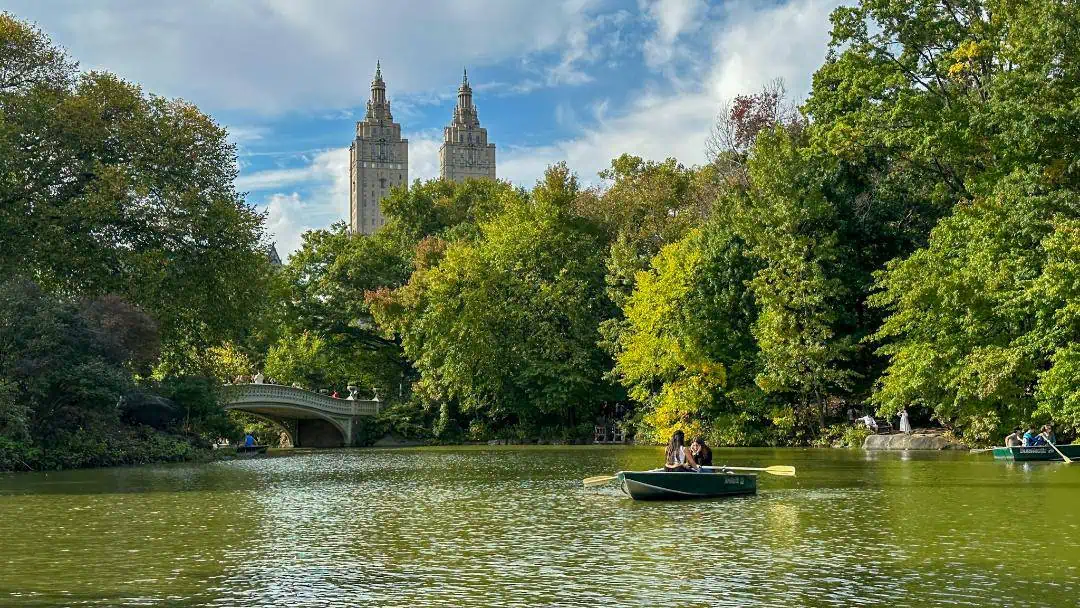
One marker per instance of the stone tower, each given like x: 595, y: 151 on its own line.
x: 465, y: 152
x: 378, y: 160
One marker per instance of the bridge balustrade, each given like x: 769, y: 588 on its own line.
x: 277, y: 393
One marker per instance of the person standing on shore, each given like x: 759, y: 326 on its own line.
x: 905, y: 425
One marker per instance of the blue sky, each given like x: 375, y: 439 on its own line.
x: 580, y: 81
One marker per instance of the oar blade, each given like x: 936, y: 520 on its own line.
x: 599, y: 480
x: 783, y: 470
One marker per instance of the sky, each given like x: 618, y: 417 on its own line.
x: 581, y: 81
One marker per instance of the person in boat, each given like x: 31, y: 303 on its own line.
x: 1016, y: 439
x: 1033, y: 438
x: 701, y: 452
x: 249, y: 440
x: 1048, y: 434
x: 678, y: 458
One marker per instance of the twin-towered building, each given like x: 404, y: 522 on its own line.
x: 379, y: 157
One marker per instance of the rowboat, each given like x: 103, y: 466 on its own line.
x: 251, y: 450
x: 663, y: 485
x: 1039, y: 452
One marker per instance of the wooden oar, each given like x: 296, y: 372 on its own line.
x: 1067, y: 459
x: 598, y: 480
x: 780, y: 469
x: 980, y: 450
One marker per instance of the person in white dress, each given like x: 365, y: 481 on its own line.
x: 905, y: 426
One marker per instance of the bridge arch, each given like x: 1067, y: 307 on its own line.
x: 286, y: 403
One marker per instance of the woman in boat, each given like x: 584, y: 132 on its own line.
x: 701, y: 452
x: 1048, y: 434
x: 678, y: 457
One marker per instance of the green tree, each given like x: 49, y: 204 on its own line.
x: 790, y: 227
x: 303, y: 359
x: 506, y: 325
x: 947, y: 98
x: 688, y: 353
x: 106, y: 190
x: 983, y: 326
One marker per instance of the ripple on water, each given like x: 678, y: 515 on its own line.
x: 510, y: 527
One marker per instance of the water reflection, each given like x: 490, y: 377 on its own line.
x: 514, y: 527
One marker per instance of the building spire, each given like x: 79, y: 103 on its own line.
x: 378, y: 107
x: 465, y: 112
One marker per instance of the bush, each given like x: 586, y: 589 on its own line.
x: 97, y: 448
x: 843, y: 435
x: 17, y: 455
x: 855, y: 436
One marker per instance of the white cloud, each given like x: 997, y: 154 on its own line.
x: 286, y: 221
x: 277, y: 55
x: 424, y: 155
x: 788, y: 42
x: 325, y: 167
x: 673, y: 18
x: 270, y: 179
x: 313, y: 196
x: 751, y: 47
x: 240, y: 134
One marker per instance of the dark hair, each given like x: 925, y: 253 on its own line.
x: 704, y: 456
x: 1018, y: 429
x: 673, y: 447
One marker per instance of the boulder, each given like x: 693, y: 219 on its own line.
x: 901, y: 441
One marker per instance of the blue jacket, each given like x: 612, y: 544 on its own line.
x: 1033, y: 440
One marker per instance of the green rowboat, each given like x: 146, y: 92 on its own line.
x: 662, y: 485
x: 251, y: 450
x: 1040, y: 452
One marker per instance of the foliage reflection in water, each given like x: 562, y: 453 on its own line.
x: 514, y: 527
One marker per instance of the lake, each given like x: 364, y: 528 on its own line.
x: 513, y: 526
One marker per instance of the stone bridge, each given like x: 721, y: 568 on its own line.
x: 310, y: 419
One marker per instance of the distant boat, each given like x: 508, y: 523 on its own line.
x: 663, y: 485
x: 251, y: 450
x: 1038, y: 452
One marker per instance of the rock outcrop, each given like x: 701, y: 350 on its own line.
x: 901, y: 441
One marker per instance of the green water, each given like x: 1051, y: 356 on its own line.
x: 515, y: 527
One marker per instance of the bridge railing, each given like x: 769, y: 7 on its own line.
x: 277, y: 393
